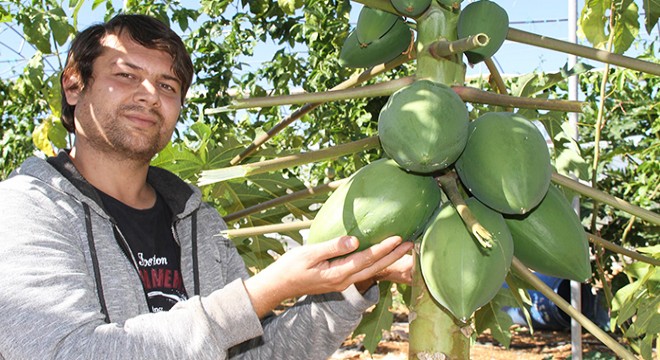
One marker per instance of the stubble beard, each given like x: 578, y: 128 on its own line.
x: 125, y: 143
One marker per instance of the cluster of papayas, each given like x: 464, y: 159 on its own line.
x: 379, y: 200
x: 378, y: 37
x: 485, y: 17
x: 501, y: 159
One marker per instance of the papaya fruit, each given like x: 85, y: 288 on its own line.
x: 452, y: 4
x: 373, y: 24
x: 506, y: 162
x: 460, y: 273
x: 486, y: 17
x: 378, y: 201
x: 411, y: 8
x: 550, y: 239
x: 424, y: 126
x: 359, y: 55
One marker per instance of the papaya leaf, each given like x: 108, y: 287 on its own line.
x: 491, y: 316
x: 570, y: 162
x: 646, y: 346
x: 522, y: 298
x: 592, y: 22
x: 380, y: 318
x: 626, y: 28
x: 652, y: 11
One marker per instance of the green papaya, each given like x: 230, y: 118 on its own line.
x: 373, y: 24
x: 452, y: 4
x: 394, y: 43
x: 506, y: 162
x: 378, y: 201
x: 486, y: 17
x: 411, y: 8
x: 424, y: 126
x: 550, y: 239
x: 461, y: 274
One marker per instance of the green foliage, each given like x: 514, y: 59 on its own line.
x: 635, y: 306
x: 602, y: 19
x: 378, y: 319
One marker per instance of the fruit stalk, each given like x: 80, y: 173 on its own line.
x: 483, y: 236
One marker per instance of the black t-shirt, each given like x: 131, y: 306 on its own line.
x: 149, y: 236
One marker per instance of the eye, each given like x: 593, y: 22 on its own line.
x: 170, y: 88
x: 125, y: 75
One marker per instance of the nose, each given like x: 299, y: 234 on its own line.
x: 147, y: 93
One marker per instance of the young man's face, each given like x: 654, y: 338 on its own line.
x: 131, y: 105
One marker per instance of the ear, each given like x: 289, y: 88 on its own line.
x: 72, y: 87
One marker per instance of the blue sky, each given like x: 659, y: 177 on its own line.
x: 542, y: 17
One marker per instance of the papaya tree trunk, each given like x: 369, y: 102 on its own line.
x: 434, y: 333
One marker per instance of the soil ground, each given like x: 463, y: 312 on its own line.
x: 541, y: 345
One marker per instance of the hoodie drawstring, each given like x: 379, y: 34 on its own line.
x: 95, y: 262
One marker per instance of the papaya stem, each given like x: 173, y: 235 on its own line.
x: 301, y: 194
x: 448, y: 184
x: 233, y: 172
x: 539, y: 285
x: 623, y: 251
x: 582, y: 51
x: 496, y: 76
x: 381, y: 89
x: 354, y: 80
x: 485, y: 97
x: 389, y: 87
x: 266, y: 229
x: 443, y: 48
x: 606, y: 198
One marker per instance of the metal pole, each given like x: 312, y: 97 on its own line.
x: 576, y: 293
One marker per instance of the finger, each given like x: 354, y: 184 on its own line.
x: 332, y: 248
x: 365, y: 258
x: 370, y: 255
x: 382, y: 263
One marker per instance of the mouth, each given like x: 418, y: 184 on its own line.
x: 141, y: 119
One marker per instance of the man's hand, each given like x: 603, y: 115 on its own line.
x: 315, y: 269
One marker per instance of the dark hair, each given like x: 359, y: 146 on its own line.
x: 144, y: 30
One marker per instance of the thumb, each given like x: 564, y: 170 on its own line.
x: 332, y: 248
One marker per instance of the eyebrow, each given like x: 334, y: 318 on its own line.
x: 164, y: 76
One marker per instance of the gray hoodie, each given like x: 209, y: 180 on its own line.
x: 68, y: 291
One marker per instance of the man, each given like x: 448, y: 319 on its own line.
x: 102, y: 256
